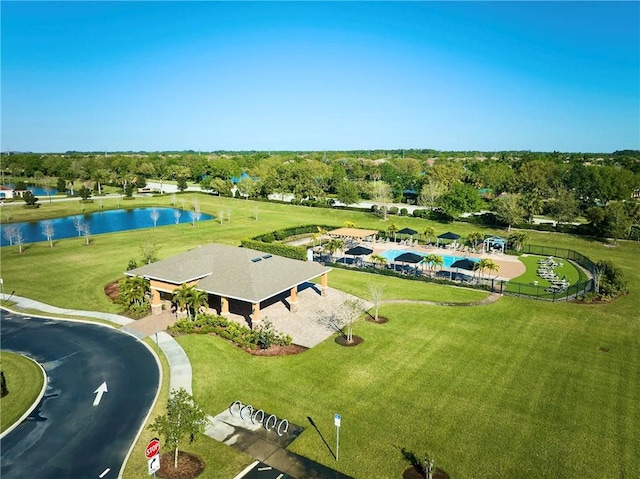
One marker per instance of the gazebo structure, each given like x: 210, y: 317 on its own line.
x: 494, y: 243
x: 228, y: 273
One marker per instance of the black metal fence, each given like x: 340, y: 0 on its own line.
x: 583, y: 286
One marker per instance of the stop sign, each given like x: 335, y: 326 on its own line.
x: 153, y: 448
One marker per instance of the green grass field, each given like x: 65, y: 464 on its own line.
x: 518, y: 388
x: 24, y: 382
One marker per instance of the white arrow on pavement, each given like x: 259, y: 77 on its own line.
x: 99, y: 392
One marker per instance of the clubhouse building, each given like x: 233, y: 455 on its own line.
x: 238, y: 279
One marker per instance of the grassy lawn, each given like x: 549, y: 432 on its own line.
x: 488, y: 391
x: 24, y: 382
x: 222, y: 461
x: 518, y: 388
x: 357, y: 283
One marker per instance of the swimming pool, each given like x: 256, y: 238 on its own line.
x: 392, y: 254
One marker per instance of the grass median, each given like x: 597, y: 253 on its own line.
x: 24, y: 382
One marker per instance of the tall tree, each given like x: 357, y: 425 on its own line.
x: 461, y: 198
x: 508, y: 209
x: 563, y: 207
x: 347, y: 192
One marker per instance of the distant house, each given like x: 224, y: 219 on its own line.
x: 6, y: 192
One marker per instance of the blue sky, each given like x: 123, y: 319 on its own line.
x: 155, y: 76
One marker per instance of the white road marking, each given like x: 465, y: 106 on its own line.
x: 105, y: 472
x: 99, y: 392
x: 265, y: 468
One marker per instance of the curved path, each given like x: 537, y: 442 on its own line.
x: 491, y: 298
x: 94, y: 404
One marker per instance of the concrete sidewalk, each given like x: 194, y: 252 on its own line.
x: 257, y: 443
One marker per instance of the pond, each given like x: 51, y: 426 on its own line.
x: 37, y: 190
x: 110, y: 221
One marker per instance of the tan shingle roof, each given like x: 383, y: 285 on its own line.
x: 232, y: 272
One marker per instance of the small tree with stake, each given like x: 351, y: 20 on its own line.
x: 184, y: 417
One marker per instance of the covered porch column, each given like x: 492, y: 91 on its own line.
x: 224, y: 306
x: 293, y: 299
x: 255, y: 315
x: 324, y: 283
x: 156, y: 303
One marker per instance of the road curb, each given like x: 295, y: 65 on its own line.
x: 45, y: 383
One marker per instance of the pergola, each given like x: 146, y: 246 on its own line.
x: 231, y: 273
x: 493, y: 243
x: 354, y: 233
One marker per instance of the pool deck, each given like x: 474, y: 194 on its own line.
x: 510, y: 266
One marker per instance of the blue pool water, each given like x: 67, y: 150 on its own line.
x: 103, y: 222
x: 392, y: 254
x: 36, y: 190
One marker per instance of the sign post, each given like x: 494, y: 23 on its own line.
x: 336, y: 421
x: 153, y: 456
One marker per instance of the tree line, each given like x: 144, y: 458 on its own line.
x: 516, y: 186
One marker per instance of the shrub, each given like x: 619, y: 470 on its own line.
x: 404, y: 212
x: 238, y: 334
x: 393, y: 210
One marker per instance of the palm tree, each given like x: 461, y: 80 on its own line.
x: 182, y: 296
x: 429, y: 232
x: 433, y: 260
x: 333, y: 245
x: 133, y: 291
x: 474, y: 238
x: 518, y: 240
x: 486, y: 264
x: 378, y: 260
x: 198, y: 298
x: 491, y: 266
x: 393, y: 229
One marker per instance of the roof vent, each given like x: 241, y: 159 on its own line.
x: 255, y: 260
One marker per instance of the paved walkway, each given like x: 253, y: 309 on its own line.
x: 180, y: 375
x: 250, y: 439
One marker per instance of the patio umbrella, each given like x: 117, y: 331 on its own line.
x: 408, y: 231
x: 359, y: 251
x: 449, y: 236
x: 465, y: 263
x: 408, y: 258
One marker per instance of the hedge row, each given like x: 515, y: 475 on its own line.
x: 266, y: 241
x: 288, y: 251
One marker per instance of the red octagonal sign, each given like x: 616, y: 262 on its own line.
x: 153, y: 448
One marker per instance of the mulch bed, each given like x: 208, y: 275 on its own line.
x: 112, y: 290
x: 380, y: 320
x: 342, y: 341
x: 277, y: 350
x: 414, y: 473
x: 189, y: 466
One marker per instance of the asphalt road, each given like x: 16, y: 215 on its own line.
x: 66, y: 436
